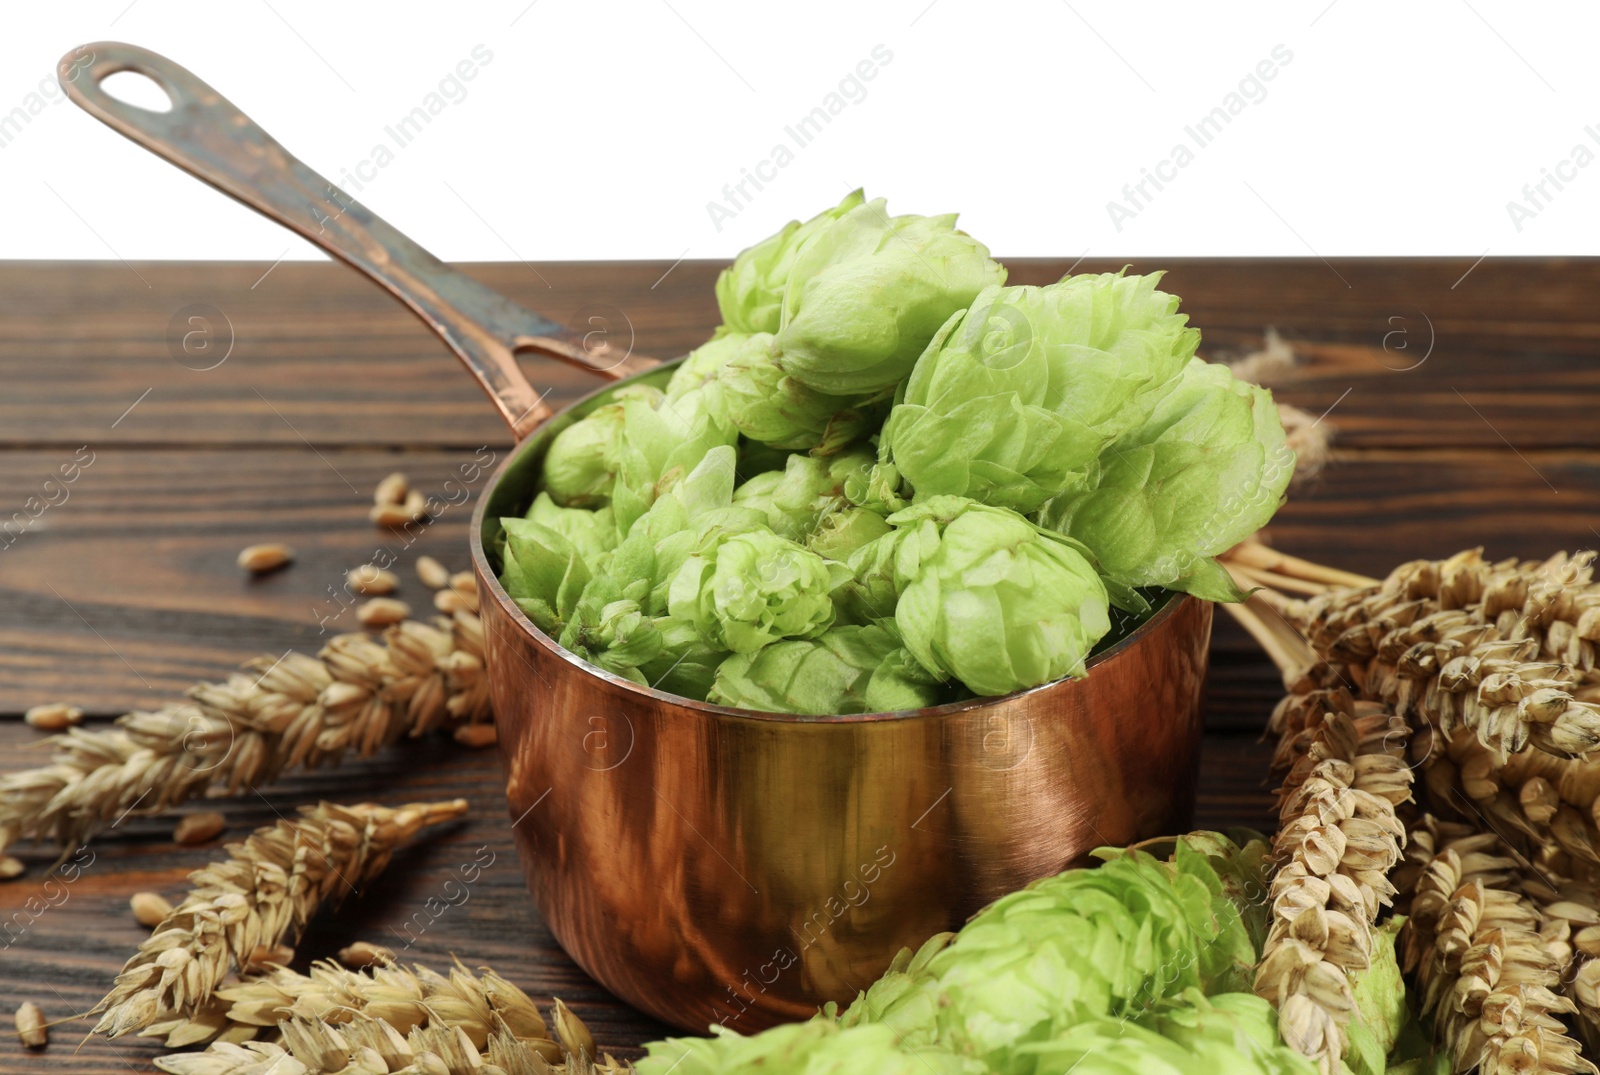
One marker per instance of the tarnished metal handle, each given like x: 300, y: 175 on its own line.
x: 208, y: 137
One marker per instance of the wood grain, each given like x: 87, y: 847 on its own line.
x: 125, y: 590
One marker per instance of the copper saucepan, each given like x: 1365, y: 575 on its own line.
x: 710, y: 864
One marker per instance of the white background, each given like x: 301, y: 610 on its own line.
x: 603, y: 129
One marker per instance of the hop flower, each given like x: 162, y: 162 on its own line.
x: 745, y: 590
x: 580, y: 465
x: 1080, y: 946
x: 750, y: 291
x: 766, y: 404
x: 1015, y: 399
x: 846, y: 669
x: 866, y: 295
x: 800, y: 498
x: 1207, y: 469
x: 988, y: 597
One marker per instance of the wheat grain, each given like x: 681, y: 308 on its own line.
x: 199, y: 828
x: 150, y: 909
x: 392, y: 489
x: 260, y: 559
x: 53, y: 717
x: 370, y: 580
x: 31, y: 1026
x: 264, y: 893
x: 434, y: 575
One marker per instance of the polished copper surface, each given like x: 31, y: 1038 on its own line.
x: 715, y: 865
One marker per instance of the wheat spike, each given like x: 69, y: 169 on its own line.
x: 292, y: 712
x: 264, y: 893
x: 1338, y: 836
x: 1486, y: 971
x: 363, y: 1045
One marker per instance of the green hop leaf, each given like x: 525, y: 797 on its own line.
x: 992, y: 599
x: 750, y: 291
x: 866, y: 295
x: 1207, y: 469
x: 745, y: 590
x: 843, y: 670
x: 1014, y: 400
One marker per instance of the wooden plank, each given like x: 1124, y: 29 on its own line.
x: 131, y: 581
x: 65, y: 958
x: 322, y: 355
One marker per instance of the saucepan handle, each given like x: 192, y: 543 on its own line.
x: 208, y: 137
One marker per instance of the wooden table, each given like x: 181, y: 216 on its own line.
x: 1463, y: 401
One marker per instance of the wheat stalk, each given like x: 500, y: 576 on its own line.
x: 1338, y: 836
x: 264, y: 893
x: 1483, y: 661
x: 292, y: 712
x: 367, y: 1046
x: 1488, y: 974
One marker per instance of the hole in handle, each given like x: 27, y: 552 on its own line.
x: 137, y: 89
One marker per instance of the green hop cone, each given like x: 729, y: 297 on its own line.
x: 655, y: 649
x: 1206, y: 470
x: 816, y: 1047
x: 844, y: 530
x: 662, y: 442
x: 993, y: 600
x: 750, y: 291
x: 766, y: 404
x: 1086, y: 944
x: 593, y: 533
x: 799, y: 498
x: 1382, y: 1014
x: 580, y: 466
x: 866, y: 295
x: 1014, y: 400
x: 543, y: 573
x: 700, y: 367
x: 844, y: 670
x: 745, y: 590
x: 1229, y: 1034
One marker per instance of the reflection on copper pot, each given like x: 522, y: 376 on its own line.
x: 714, y: 865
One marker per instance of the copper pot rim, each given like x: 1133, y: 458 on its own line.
x: 489, y: 580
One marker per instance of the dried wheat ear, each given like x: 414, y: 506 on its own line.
x: 286, y: 713
x: 263, y: 894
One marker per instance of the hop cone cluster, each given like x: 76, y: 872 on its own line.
x: 263, y: 893
x: 1137, y: 965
